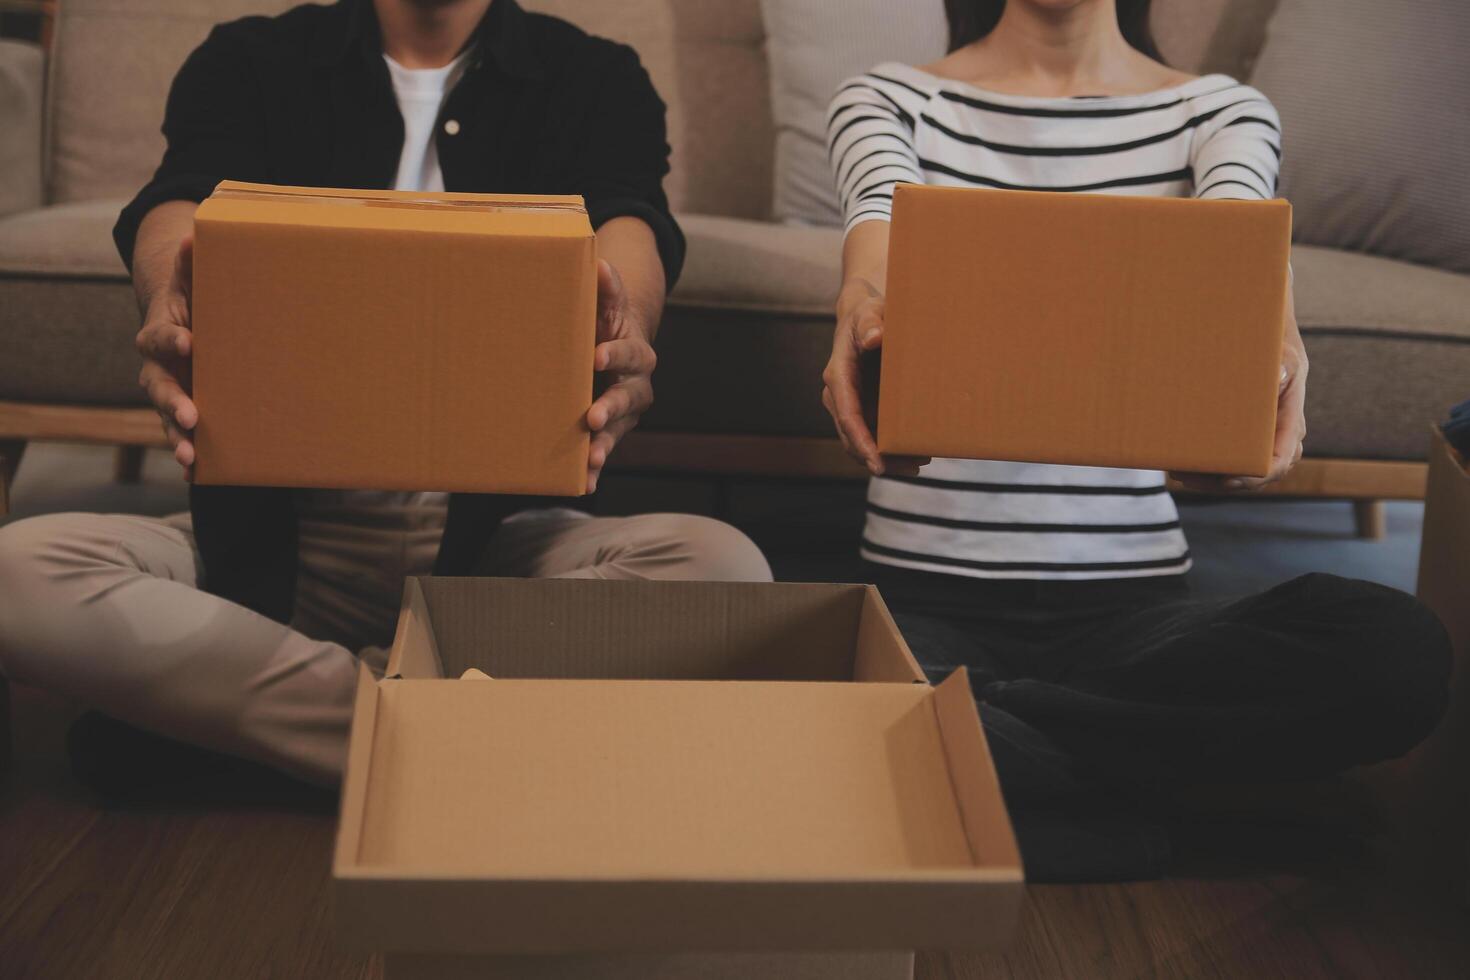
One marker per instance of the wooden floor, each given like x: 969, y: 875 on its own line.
x: 242, y: 893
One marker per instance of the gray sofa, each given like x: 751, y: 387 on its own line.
x: 748, y: 328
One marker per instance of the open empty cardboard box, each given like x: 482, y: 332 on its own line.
x: 393, y: 340
x: 1084, y: 329
x: 665, y: 780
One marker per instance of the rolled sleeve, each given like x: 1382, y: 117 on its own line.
x: 870, y: 146
x: 667, y: 236
x: 627, y: 155
x: 1237, y: 153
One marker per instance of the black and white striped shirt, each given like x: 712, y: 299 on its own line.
x: 1210, y: 137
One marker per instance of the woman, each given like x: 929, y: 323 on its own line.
x: 1102, y: 685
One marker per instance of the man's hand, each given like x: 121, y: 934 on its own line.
x: 166, y: 343
x: 859, y: 330
x: 626, y: 359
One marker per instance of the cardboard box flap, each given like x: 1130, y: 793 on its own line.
x: 415, y: 652
x: 359, y: 766
x: 976, y: 786
x: 882, y: 654
x: 522, y: 816
x: 667, y: 630
x: 659, y: 779
x: 422, y: 200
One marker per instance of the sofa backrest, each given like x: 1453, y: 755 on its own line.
x: 111, y: 65
x: 22, y: 70
x: 708, y: 60
x: 1212, y: 35
x: 112, y: 61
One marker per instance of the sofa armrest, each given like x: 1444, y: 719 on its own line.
x: 22, y: 79
x: 761, y: 266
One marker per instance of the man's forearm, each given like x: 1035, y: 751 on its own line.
x: 629, y: 246
x: 157, y: 247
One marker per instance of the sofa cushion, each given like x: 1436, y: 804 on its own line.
x: 1389, y: 344
x: 749, y: 265
x: 67, y: 311
x: 741, y: 371
x: 62, y: 240
x: 1375, y: 107
x: 22, y: 71
x: 68, y: 341
x: 110, y: 70
x: 812, y: 47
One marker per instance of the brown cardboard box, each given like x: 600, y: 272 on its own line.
x: 665, y: 780
x: 1086, y: 329
x: 1428, y: 791
x: 388, y: 340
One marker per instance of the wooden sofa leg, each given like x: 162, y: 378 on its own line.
x: 10, y: 452
x: 1372, y: 519
x: 127, y: 465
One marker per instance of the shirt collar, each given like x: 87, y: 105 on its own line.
x: 502, y: 39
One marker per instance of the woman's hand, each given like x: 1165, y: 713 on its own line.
x: 1291, y: 422
x: 859, y: 331
x: 166, y: 343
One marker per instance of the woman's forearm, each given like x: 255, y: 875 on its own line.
x: 864, y: 265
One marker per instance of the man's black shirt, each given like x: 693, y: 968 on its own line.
x: 305, y: 99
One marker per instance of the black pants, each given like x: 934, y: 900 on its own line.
x: 1098, y: 696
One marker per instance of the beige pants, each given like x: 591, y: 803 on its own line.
x: 106, y: 609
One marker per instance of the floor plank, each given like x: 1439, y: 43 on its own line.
x: 244, y: 893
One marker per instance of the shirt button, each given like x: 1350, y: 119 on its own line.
x: 451, y: 127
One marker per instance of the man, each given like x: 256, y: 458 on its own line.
x: 463, y: 95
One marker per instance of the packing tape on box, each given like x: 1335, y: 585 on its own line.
x: 415, y: 204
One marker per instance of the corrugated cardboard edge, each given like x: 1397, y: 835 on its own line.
x: 886, y: 413
x: 415, y: 652
x: 972, y: 774
x: 576, y: 477
x: 358, y: 772
x: 1425, y: 789
x: 1263, y: 467
x: 1120, y: 460
x: 868, y: 665
x: 414, y: 648
x: 241, y: 188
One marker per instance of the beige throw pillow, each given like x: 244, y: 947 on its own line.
x: 1375, y: 106
x: 812, y: 46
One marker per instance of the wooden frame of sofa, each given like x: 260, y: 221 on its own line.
x: 1367, y: 483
